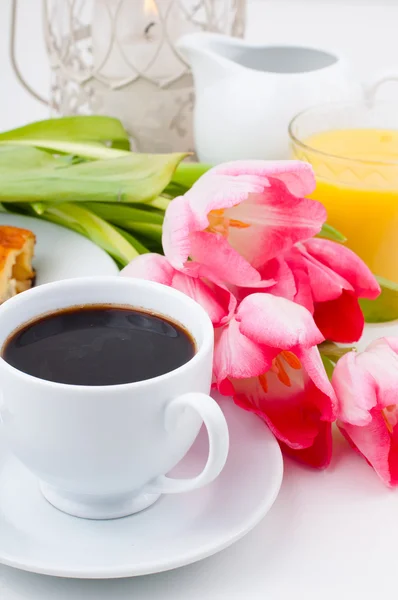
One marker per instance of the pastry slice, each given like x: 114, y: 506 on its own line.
x: 16, y: 254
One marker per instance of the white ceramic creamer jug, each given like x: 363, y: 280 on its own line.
x: 246, y: 95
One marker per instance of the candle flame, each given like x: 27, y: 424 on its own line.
x: 150, y: 7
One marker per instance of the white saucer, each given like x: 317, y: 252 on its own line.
x: 61, y: 253
x: 175, y: 531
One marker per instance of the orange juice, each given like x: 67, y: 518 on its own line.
x: 357, y: 181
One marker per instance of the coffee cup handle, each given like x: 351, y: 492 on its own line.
x: 217, y: 430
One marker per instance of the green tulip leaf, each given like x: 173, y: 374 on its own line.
x: 123, y: 215
x: 328, y: 364
x: 330, y: 355
x: 61, y: 134
x: 32, y: 175
x: 333, y: 351
x: 188, y: 173
x: 86, y: 223
x: 75, y: 151
x: 141, y: 249
x: 330, y: 233
x: 385, y: 307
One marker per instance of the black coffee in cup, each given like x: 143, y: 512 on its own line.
x: 99, y: 345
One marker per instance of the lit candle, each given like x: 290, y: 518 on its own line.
x: 136, y: 38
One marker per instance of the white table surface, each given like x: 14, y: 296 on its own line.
x: 330, y: 534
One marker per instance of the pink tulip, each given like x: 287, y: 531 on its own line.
x: 366, y: 386
x: 241, y: 214
x: 215, y: 298
x: 266, y: 357
x: 327, y: 278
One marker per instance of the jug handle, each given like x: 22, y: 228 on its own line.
x: 371, y: 89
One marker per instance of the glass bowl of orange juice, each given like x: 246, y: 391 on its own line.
x: 353, y: 150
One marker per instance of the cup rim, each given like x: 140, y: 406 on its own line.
x: 202, y: 349
x: 331, y: 105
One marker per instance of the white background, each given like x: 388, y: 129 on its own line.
x: 331, y: 535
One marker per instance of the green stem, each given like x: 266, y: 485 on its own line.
x: 161, y: 203
x: 92, y: 226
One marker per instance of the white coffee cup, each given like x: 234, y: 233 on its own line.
x: 102, y: 452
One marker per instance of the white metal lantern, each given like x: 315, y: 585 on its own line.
x: 118, y: 57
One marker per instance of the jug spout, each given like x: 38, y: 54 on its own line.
x: 202, y: 52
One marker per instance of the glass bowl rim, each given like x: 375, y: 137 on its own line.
x: 307, y: 147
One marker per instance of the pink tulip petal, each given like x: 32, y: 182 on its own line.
x: 230, y: 184
x: 298, y: 176
x: 392, y: 342
x: 291, y: 412
x: 312, y: 363
x: 196, y: 270
x: 289, y: 424
x: 340, y: 320
x: 177, y: 225
x: 152, y: 267
x: 302, y: 281
x: 217, y: 192
x: 347, y: 264
x: 355, y: 389
x: 277, y: 269
x: 236, y: 356
x: 393, y: 457
x: 297, y: 402
x: 276, y: 220
x: 304, y: 291
x: 188, y: 214
x: 217, y: 301
x: 277, y: 322
x: 319, y: 454
x: 366, y: 385
x: 252, y: 207
x: 374, y: 443
x: 276, y: 278
x: 215, y: 298
x: 381, y: 362
x: 326, y: 284
x: 214, y: 252
x: 225, y: 387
